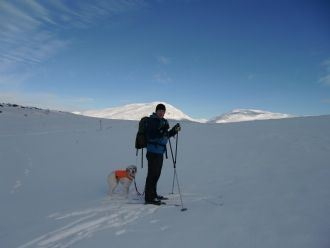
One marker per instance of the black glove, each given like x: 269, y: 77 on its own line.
x: 176, y: 129
x: 164, y: 128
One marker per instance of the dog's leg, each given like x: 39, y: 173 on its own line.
x: 112, y: 182
x: 126, y: 184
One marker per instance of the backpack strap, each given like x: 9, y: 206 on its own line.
x: 142, y: 159
x: 137, y: 153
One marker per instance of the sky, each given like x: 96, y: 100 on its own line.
x: 205, y: 57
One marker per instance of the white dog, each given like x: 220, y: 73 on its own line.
x: 124, y: 177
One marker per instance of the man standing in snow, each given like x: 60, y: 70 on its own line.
x: 157, y: 138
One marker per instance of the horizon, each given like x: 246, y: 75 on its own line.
x: 205, y: 58
x: 119, y: 113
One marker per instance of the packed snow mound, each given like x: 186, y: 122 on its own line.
x: 136, y: 111
x: 238, y: 115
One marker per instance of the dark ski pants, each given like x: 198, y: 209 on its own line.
x: 155, y: 164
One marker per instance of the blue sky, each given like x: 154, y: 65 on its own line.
x: 204, y: 57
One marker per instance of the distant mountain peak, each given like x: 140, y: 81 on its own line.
x: 238, y: 115
x: 136, y: 111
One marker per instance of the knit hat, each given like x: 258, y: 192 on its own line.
x: 160, y: 106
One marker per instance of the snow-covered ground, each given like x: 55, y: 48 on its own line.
x: 249, y: 184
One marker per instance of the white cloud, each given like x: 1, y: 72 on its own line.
x: 326, y: 101
x: 13, y: 80
x: 164, y: 60
x: 162, y: 78
x: 252, y: 76
x: 325, y: 80
x: 25, y: 41
x: 30, y: 31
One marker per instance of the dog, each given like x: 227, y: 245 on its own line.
x: 124, y: 177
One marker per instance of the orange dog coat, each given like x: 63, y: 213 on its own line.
x: 122, y: 173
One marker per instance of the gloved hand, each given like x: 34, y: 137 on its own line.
x: 177, y: 128
x: 174, y: 130
x: 164, y: 128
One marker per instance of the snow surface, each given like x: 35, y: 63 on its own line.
x: 248, y: 184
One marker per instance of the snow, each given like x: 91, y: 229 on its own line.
x: 137, y: 110
x: 238, y: 115
x: 248, y: 184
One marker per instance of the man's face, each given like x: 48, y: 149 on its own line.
x: 160, y: 113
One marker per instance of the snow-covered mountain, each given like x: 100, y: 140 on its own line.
x: 238, y: 115
x: 248, y: 185
x: 136, y: 112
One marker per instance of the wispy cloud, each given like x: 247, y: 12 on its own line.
x: 25, y: 40
x: 252, y: 76
x: 30, y: 31
x: 327, y: 101
x: 325, y: 80
x: 164, y: 60
x: 13, y: 79
x: 162, y: 78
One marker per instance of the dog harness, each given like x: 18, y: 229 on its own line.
x: 123, y: 173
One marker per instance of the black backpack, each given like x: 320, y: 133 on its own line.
x: 141, y: 137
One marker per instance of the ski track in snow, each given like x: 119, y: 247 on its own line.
x: 88, y: 221
x: 113, y: 214
x: 16, y: 186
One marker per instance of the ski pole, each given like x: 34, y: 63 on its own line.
x: 177, y: 181
x: 174, y: 166
x: 137, y: 191
x: 175, y: 173
x: 174, y: 160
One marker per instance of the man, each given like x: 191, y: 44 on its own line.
x: 157, y: 138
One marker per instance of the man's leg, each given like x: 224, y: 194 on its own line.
x: 155, y: 163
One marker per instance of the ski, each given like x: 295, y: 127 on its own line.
x: 168, y: 200
x: 155, y: 203
x: 160, y: 203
